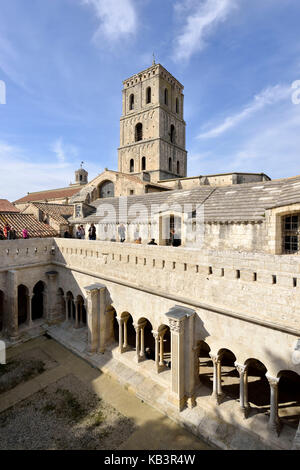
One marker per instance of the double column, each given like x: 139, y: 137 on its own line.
x: 140, y: 341
x: 96, y: 321
x: 244, y: 403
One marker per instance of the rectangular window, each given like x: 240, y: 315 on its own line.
x: 291, y: 233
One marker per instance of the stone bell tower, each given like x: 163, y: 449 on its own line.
x: 152, y: 128
x: 81, y: 175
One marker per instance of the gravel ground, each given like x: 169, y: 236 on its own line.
x: 65, y: 415
x: 23, y: 367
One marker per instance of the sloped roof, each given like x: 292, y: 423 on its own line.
x: 49, y: 195
x: 20, y: 221
x: 6, y: 206
x: 59, y: 212
x: 239, y: 202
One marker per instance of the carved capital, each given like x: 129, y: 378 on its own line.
x: 241, y: 368
x: 273, y: 381
x: 176, y: 326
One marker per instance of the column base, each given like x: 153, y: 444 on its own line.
x: 217, y: 398
x: 245, y: 411
x: 275, y: 428
x: 191, y: 401
x: 179, y: 403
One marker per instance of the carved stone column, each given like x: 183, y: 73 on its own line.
x: 121, y: 322
x: 77, y: 307
x: 156, y: 337
x: 274, y: 423
x: 66, y: 307
x: 29, y: 310
x: 137, y: 342
x: 142, y: 348
x: 217, y: 393
x: 244, y: 405
x: 125, y: 335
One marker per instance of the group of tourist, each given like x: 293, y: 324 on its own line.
x: 9, y: 233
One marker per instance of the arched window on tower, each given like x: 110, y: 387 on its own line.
x: 178, y: 167
x: 131, y: 102
x: 148, y: 95
x: 166, y: 96
x: 138, y: 132
x: 143, y: 163
x: 177, y: 105
x: 172, y: 134
x: 170, y: 164
x: 131, y: 165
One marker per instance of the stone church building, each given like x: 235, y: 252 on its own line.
x: 205, y: 329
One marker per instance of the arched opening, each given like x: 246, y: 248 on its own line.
x: 177, y: 105
x: 143, y: 163
x: 178, y: 167
x: 138, y: 132
x: 131, y: 165
x: 172, y: 135
x: 164, y: 342
x: 112, y: 332
x: 129, y: 331
x: 22, y: 304
x: 61, y: 303
x: 166, y: 96
x: 230, y: 380
x: 70, y: 307
x: 147, y: 339
x: 131, y: 102
x: 1, y: 309
x: 170, y: 164
x: 170, y: 230
x: 81, y: 311
x: 106, y: 189
x: 205, y: 365
x: 148, y: 95
x: 37, y: 303
x: 289, y: 398
x: 258, y: 387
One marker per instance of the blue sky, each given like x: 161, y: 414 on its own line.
x: 63, y: 62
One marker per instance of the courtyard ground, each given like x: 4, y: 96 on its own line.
x: 52, y: 399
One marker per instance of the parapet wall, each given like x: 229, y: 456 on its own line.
x: 263, y: 287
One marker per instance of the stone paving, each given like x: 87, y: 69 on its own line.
x: 222, y: 426
x: 154, y: 430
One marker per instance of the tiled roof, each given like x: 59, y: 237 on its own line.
x: 59, y: 212
x: 6, y: 206
x: 19, y: 221
x: 238, y: 202
x: 49, y: 195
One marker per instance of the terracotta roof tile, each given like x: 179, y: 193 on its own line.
x: 48, y: 195
x: 19, y: 221
x: 6, y: 206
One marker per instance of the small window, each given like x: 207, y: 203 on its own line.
x: 148, y: 95
x: 274, y: 279
x: 172, y: 134
x: 143, y: 163
x: 131, y: 169
x: 138, y: 132
x: 131, y: 192
x: 166, y: 96
x: 131, y: 102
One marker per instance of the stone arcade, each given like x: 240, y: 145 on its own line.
x: 207, y: 334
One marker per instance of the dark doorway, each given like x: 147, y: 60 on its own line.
x: 37, y: 305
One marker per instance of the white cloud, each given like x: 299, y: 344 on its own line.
x: 269, y: 96
x: 63, y: 151
x: 203, y: 16
x: 117, y: 18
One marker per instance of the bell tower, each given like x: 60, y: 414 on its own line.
x: 152, y: 128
